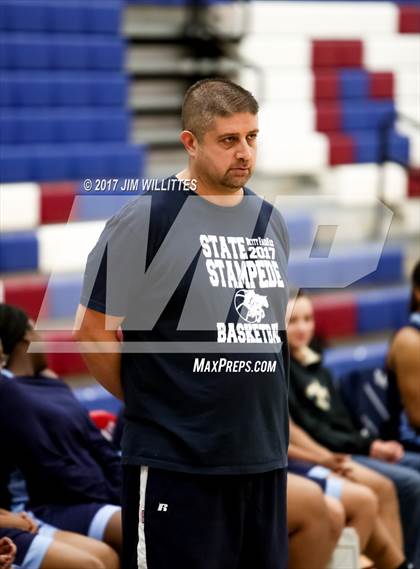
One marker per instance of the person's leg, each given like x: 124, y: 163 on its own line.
x: 407, y: 483
x: 384, y: 489
x: 101, y: 551
x: 382, y: 550
x: 411, y: 460
x: 98, y: 521
x: 312, y: 535
x: 361, y: 508
x: 106, y: 526
x: 64, y: 556
x: 337, y: 516
x: 113, y: 532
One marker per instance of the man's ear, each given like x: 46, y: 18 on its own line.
x: 190, y: 142
x: 28, y: 336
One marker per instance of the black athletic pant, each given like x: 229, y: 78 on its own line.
x: 175, y: 520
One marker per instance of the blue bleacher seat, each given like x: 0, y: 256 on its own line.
x: 106, y: 54
x: 71, y: 90
x: 111, y: 126
x: 15, y: 164
x: 346, y: 359
x: 300, y: 227
x: 354, y: 84
x: 9, y: 132
x: 346, y: 266
x: 50, y: 162
x: 103, y: 19
x: 97, y: 397
x: 390, y: 267
x: 23, y: 16
x: 90, y: 207
x: 71, y: 51
x: 30, y: 93
x: 67, y: 18
x: 367, y: 115
x: 63, y: 295
x: 397, y: 148
x: 382, y: 309
x: 367, y: 147
x: 109, y: 90
x: 18, y: 251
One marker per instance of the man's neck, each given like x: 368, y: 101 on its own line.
x: 216, y: 195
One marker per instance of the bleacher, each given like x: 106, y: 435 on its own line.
x: 337, y: 78
x: 63, y: 92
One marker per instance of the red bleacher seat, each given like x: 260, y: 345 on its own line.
x: 63, y: 363
x: 409, y: 21
x: 337, y: 53
x: 335, y: 316
x: 341, y: 149
x: 28, y: 294
x: 414, y: 183
x: 56, y: 201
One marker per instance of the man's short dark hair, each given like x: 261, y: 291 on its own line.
x: 210, y: 98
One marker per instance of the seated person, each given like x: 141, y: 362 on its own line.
x: 314, y: 524
x: 31, y: 547
x: 73, y: 475
x: 404, y: 357
x: 360, y: 504
x: 316, y: 406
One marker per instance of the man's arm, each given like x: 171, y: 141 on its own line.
x: 405, y: 360
x: 104, y: 361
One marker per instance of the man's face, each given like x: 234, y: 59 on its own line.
x: 226, y: 153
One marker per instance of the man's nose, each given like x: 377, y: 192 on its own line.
x: 243, y: 151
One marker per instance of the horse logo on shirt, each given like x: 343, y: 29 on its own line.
x: 319, y: 394
x: 250, y: 305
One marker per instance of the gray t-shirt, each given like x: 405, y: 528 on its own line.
x: 202, y: 289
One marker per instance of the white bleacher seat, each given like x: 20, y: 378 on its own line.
x: 407, y: 83
x: 352, y: 183
x: 19, y: 206
x: 359, y: 183
x: 286, y: 117
x: 292, y: 154
x: 276, y: 52
x: 392, y: 52
x: 280, y: 84
x: 65, y: 247
x: 347, y: 552
x: 323, y: 20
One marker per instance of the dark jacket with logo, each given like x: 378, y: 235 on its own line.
x: 316, y: 406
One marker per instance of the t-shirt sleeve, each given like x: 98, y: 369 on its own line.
x: 116, y: 261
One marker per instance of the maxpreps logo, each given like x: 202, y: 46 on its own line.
x: 244, y: 264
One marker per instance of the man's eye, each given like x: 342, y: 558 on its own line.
x: 252, y: 136
x: 228, y: 139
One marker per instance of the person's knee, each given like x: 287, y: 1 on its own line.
x: 386, y: 490
x: 337, y: 517
x: 92, y: 562
x: 108, y: 556
x: 366, y: 501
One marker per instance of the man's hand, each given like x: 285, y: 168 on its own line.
x: 22, y: 521
x: 389, y: 451
x: 7, y: 552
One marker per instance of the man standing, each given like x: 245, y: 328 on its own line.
x: 194, y: 274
